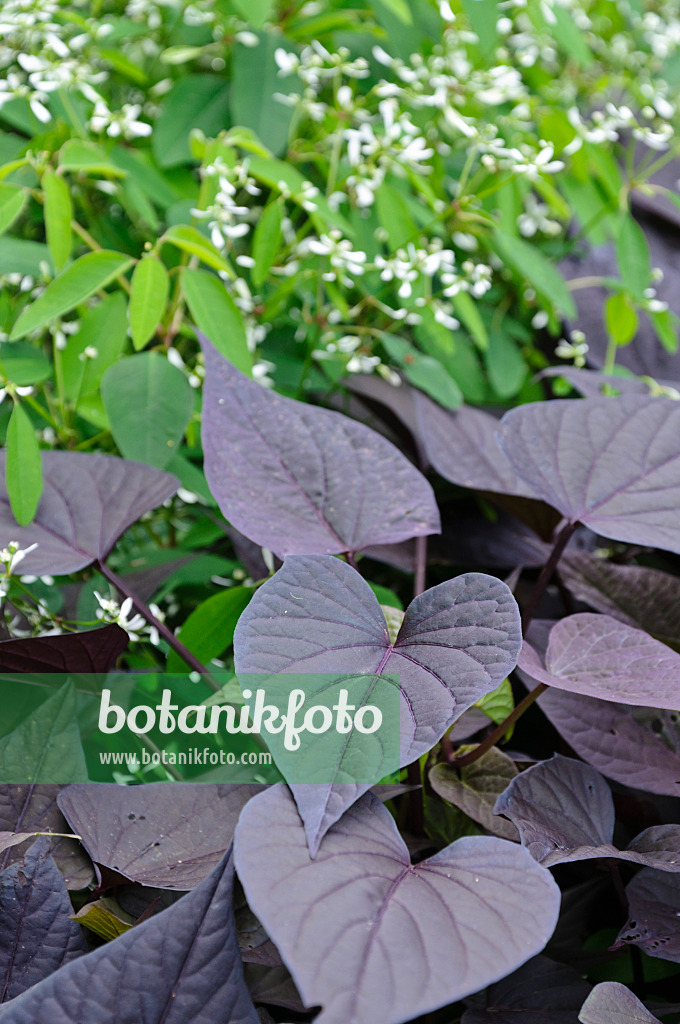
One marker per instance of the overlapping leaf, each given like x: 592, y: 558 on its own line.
x: 540, y: 992
x: 34, y: 808
x: 45, y: 746
x: 159, y: 835
x: 96, y: 650
x: 180, y: 967
x: 654, y: 907
x: 37, y: 935
x: 88, y: 501
x: 370, y: 936
x: 475, y: 788
x: 458, y: 641
x: 299, y: 479
x: 610, y: 463
x: 564, y: 811
x: 600, y: 657
x: 610, y: 1002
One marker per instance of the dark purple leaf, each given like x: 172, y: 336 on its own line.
x: 591, y: 382
x: 463, y: 447
x: 458, y: 642
x: 159, y: 835
x: 180, y: 967
x: 88, y: 501
x: 610, y: 463
x: 540, y: 992
x: 654, y: 912
x: 37, y: 935
x: 96, y: 650
x: 399, y: 400
x: 610, y: 1002
x: 34, y: 808
x: 564, y: 812
x: 274, y: 986
x: 597, y: 656
x: 502, y: 543
x: 633, y: 594
x: 475, y: 788
x: 367, y: 935
x: 298, y: 479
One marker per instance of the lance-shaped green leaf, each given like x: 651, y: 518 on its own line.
x: 190, y: 239
x: 23, y: 470
x: 58, y: 215
x: 78, y: 282
x: 12, y: 202
x: 148, y: 294
x: 87, y: 502
x: 217, y: 316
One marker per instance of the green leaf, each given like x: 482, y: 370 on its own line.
x: 532, y: 266
x: 18, y: 256
x: 23, y: 468
x: 666, y: 326
x: 394, y: 216
x: 148, y: 402
x: 190, y: 239
x: 498, y: 704
x: 255, y: 80
x: 78, y: 155
x: 632, y: 255
x: 504, y: 363
x: 58, y: 216
x: 124, y: 66
x: 216, y: 314
x: 12, y: 202
x: 46, y: 746
x: 209, y: 630
x: 266, y: 241
x: 255, y: 12
x: 400, y: 9
x: 148, y: 295
x: 277, y: 173
x: 75, y: 284
x: 620, y: 318
x: 483, y: 15
x: 424, y: 372
x: 104, y: 329
x: 195, y: 102
x: 23, y: 364
x: 570, y: 38
x: 467, y: 312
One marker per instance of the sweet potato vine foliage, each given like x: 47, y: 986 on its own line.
x: 293, y: 387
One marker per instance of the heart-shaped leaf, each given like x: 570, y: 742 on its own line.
x: 597, y: 656
x: 88, y: 501
x: 165, y: 836
x: 458, y: 641
x: 610, y: 1002
x: 37, y: 935
x: 565, y: 812
x: 298, y: 479
x: 96, y: 650
x: 610, y: 463
x: 540, y: 992
x: 653, y: 908
x: 34, y: 808
x: 463, y: 447
x: 475, y: 788
x: 369, y: 936
x: 633, y: 594
x: 180, y: 967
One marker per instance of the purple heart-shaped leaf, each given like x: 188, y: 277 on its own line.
x: 368, y: 935
x: 37, y: 935
x: 540, y: 992
x: 458, y: 641
x: 610, y: 463
x: 298, y: 479
x: 610, y: 1002
x: 591, y: 383
x: 96, y: 650
x: 654, y: 909
x: 597, y: 656
x: 88, y: 501
x: 34, y: 808
x: 463, y: 447
x: 633, y: 594
x: 565, y: 812
x: 165, y: 836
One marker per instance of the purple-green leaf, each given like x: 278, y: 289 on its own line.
x: 37, y: 935
x: 369, y: 936
x: 165, y: 836
x: 88, y: 501
x: 302, y: 480
x: 653, y: 909
x: 457, y: 643
x: 610, y: 463
x: 181, y: 966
